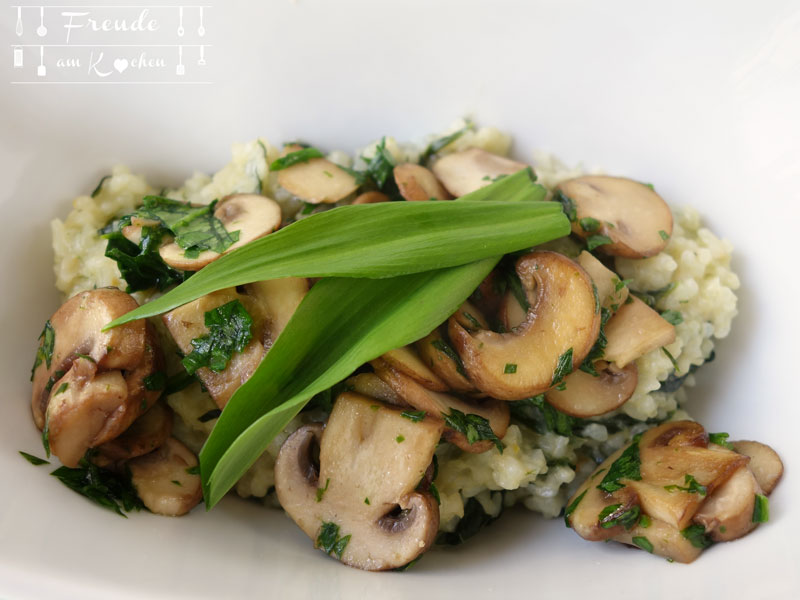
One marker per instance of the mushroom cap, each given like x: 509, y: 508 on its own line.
x: 469, y: 170
x: 633, y: 331
x: 317, y: 181
x: 765, y: 463
x: 563, y: 317
x: 587, y: 395
x: 416, y: 183
x: 370, y: 462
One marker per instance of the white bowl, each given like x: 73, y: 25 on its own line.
x: 699, y: 98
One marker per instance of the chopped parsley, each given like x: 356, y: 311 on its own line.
x: 99, y: 187
x: 474, y: 427
x: 47, y: 342
x: 598, y: 349
x: 625, y: 467
x: 595, y: 241
x: 571, y: 508
x: 671, y: 359
x: 437, y: 145
x: 509, y: 280
x: 329, y: 540
x: 321, y: 490
x: 645, y: 522
x: 110, y: 490
x: 435, y: 493
x: 664, y: 235
x: 210, y: 415
x: 229, y: 329
x: 537, y: 413
x: 673, y: 317
x: 475, y: 518
x: 62, y: 388
x: 692, y: 486
x: 46, y: 436
x: 720, y: 439
x: 589, y: 224
x: 450, y: 353
x: 643, y: 543
x: 563, y: 367
x: 366, y: 501
x: 156, y: 381
x: 413, y: 415
x: 141, y: 265
x: 292, y: 158
x: 567, y: 205
x: 472, y: 320
x: 761, y: 509
x: 195, y: 470
x: 613, y: 515
x: 400, y: 439
x: 381, y: 166
x: 34, y: 460
x: 696, y: 534
x: 510, y: 368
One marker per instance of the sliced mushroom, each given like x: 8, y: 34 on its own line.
x: 407, y: 360
x: 436, y: 404
x: 147, y: 433
x: 252, y: 215
x: 370, y: 461
x: 562, y: 322
x: 585, y: 395
x: 443, y: 360
x: 372, y: 386
x: 163, y: 479
x: 416, y: 183
x: 727, y: 514
x: 765, y: 463
x: 316, y: 181
x: 631, y: 214
x: 270, y: 304
x: 469, y: 170
x: 611, y: 291
x: 512, y: 313
x: 635, y: 330
x: 665, y: 540
x: 371, y: 198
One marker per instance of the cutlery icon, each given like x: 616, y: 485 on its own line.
x: 202, y: 60
x: 41, y: 31
x: 180, y: 22
x: 19, y: 21
x: 180, y: 69
x: 201, y: 31
x: 41, y: 70
x: 18, y: 57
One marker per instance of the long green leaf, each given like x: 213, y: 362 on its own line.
x: 381, y: 240
x: 324, y: 342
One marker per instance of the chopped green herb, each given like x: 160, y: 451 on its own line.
x: 438, y: 145
x: 413, y: 415
x: 474, y: 427
x: 407, y: 566
x: 472, y: 320
x: 292, y: 158
x: 720, y: 439
x: 308, y: 208
x: 571, y: 508
x: 321, y: 490
x: 156, y: 381
x: 625, y: 467
x: 644, y: 522
x: 435, y: 492
x: 696, y: 534
x: 589, y: 224
x: 621, y: 283
x: 722, y: 529
x: 229, y: 328
x: 375, y: 406
x: 448, y: 351
x: 672, y: 316
x: 400, y: 439
x: 195, y: 470
x: 329, y: 541
x: 612, y: 515
x: 46, y: 436
x: 381, y: 165
x: 366, y: 501
x: 110, y: 490
x: 563, y: 367
x: 62, y: 388
x: 594, y: 241
x: 664, y: 235
x: 510, y: 368
x: 537, y: 413
x: 176, y: 482
x: 99, y: 187
x: 643, y: 543
x: 671, y: 359
x: 34, y: 460
x: 509, y: 280
x: 210, y: 415
x: 692, y: 486
x: 761, y: 509
x: 598, y: 349
x: 567, y: 205
x: 141, y: 265
x: 475, y: 518
x: 46, y: 345
x: 178, y: 382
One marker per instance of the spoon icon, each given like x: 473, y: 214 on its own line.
x: 201, y: 31
x: 41, y: 31
x: 19, y: 21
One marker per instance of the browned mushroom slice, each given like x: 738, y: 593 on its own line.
x: 436, y: 405
x: 369, y: 384
x: 636, y: 219
x: 407, y: 360
x: 316, y: 181
x: 561, y: 327
x: 252, y: 215
x: 611, y: 291
x: 163, y: 479
x: 661, y: 539
x: 443, y: 360
x: 765, y: 463
x: 727, y: 514
x: 588, y: 396
x: 371, y: 198
x: 416, y: 183
x: 512, y: 313
x: 635, y: 330
x: 360, y: 503
x: 76, y: 329
x: 469, y: 170
x: 147, y: 433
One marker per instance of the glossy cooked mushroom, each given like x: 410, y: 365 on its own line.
x: 252, y: 215
x: 316, y: 181
x: 360, y: 501
x: 92, y: 384
x: 587, y: 395
x: 469, y: 170
x: 636, y: 219
x: 561, y: 327
x: 416, y: 183
x: 633, y: 331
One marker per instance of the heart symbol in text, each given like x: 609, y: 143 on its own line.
x: 121, y: 64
